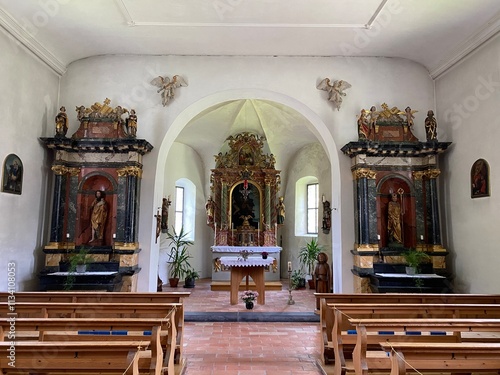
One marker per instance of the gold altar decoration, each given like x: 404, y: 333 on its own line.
x: 244, y: 185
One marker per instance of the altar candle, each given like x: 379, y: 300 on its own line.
x: 289, y: 266
x: 67, y: 235
x: 323, y: 198
x: 258, y: 235
x: 114, y: 235
x: 378, y: 236
x: 276, y: 232
x: 422, y: 237
x: 215, y: 234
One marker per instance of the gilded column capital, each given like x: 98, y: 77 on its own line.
x: 129, y: 171
x: 418, y: 175
x: 62, y: 170
x: 364, y: 173
x: 433, y: 173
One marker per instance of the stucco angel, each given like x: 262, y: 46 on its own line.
x: 167, y: 87
x: 335, y: 90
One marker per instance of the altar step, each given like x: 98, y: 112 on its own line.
x: 225, y: 286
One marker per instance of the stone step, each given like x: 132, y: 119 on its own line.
x: 226, y: 285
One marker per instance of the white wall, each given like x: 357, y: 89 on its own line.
x: 28, y: 102
x: 467, y: 102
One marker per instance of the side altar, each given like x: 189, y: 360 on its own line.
x: 95, y: 202
x: 396, y: 208
x: 243, y: 209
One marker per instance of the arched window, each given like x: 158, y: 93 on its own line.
x: 185, y: 200
x: 306, y: 206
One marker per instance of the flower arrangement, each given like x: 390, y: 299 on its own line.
x: 249, y: 296
x: 244, y: 254
x: 264, y: 254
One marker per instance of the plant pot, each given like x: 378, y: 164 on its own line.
x: 312, y: 284
x: 173, y: 282
x: 411, y: 270
x: 249, y: 305
x: 189, y: 282
x: 81, y: 268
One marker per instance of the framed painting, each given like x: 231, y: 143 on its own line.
x: 12, y: 176
x: 480, y: 179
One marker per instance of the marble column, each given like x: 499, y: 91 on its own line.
x: 434, y: 228
x: 129, y: 177
x: 419, y: 205
x: 58, y: 204
x: 365, y: 210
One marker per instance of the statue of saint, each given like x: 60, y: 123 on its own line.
x: 62, y: 123
x: 281, y: 211
x: 431, y: 126
x: 209, y: 207
x: 164, y: 214
x: 99, y: 214
x: 132, y: 123
x: 322, y: 276
x: 394, y: 220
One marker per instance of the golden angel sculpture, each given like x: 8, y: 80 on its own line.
x: 335, y: 90
x: 167, y: 86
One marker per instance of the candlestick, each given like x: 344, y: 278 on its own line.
x: 289, y: 266
x: 276, y: 232
x: 114, y: 235
x: 422, y: 237
x: 378, y: 237
x: 215, y: 234
x: 67, y: 235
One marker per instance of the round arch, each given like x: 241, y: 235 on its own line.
x: 315, y: 124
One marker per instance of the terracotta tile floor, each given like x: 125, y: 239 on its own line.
x: 240, y: 348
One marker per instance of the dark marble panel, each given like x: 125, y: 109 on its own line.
x: 58, y: 205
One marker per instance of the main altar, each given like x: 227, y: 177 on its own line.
x: 243, y: 208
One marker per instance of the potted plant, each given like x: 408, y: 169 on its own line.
x: 297, y: 279
x: 178, y: 256
x: 249, y: 297
x: 77, y: 263
x: 307, y: 257
x: 190, y: 277
x: 413, y: 259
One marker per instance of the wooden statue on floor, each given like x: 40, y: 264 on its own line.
x: 322, y: 276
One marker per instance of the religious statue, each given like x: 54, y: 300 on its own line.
x: 322, y: 276
x: 61, y: 123
x: 431, y: 126
x: 167, y: 87
x: 327, y: 217
x: 131, y: 123
x: 209, y: 207
x: 363, y: 127
x: 281, y: 211
x: 408, y: 113
x: 394, y: 220
x: 245, y: 218
x: 335, y: 90
x: 164, y: 214
x: 158, y: 224
x: 13, y: 177
x: 99, y: 214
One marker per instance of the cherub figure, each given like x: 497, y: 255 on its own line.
x: 167, y: 87
x: 335, y: 90
x: 408, y: 113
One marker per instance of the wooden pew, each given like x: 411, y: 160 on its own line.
x: 370, y: 332
x: 94, y: 329
x: 435, y: 357
x: 110, y: 297
x: 96, y: 310
x: 110, y: 357
x: 326, y: 319
x: 343, y: 341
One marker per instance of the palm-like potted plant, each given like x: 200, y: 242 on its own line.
x: 190, y: 277
x: 413, y: 259
x: 178, y: 256
x: 307, y: 257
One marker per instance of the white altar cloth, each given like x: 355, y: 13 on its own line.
x: 251, y: 249
x: 252, y: 261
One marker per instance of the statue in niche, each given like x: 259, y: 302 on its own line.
x: 431, y: 126
x: 335, y: 90
x: 99, y: 214
x: 394, y: 220
x: 62, y: 122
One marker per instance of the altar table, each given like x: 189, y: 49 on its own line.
x: 253, y: 267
